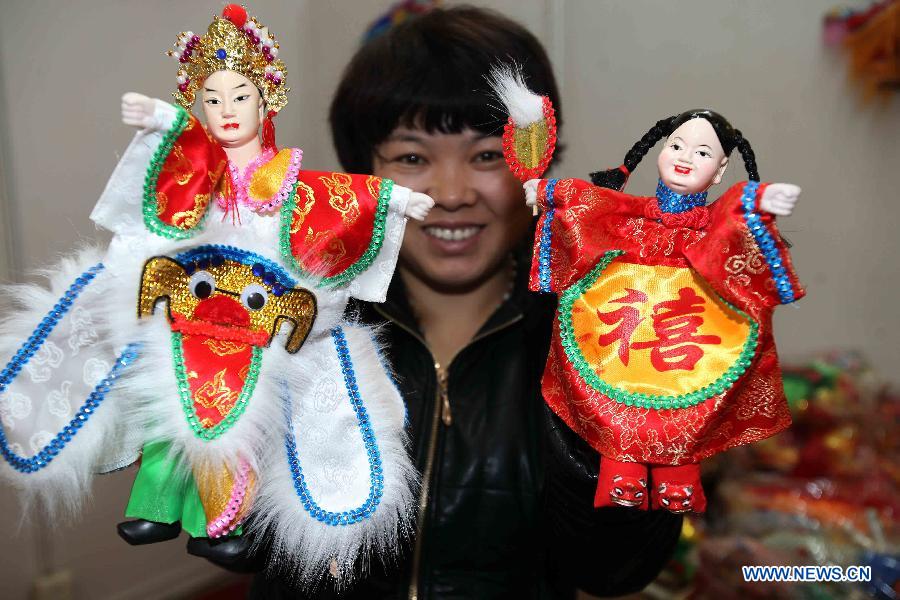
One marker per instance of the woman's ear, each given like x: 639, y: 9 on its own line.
x: 721, y: 171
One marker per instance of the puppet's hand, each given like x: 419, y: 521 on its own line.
x: 531, y: 187
x: 779, y: 199
x: 139, y: 111
x: 418, y: 206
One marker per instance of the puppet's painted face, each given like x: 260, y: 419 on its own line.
x: 692, y: 159
x: 233, y: 108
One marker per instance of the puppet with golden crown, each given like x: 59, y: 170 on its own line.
x: 209, y: 341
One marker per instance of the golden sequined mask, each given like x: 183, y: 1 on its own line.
x: 228, y: 294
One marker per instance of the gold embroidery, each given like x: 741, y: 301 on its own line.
x: 189, y: 218
x: 190, y: 124
x: 215, y: 176
x: 216, y: 394
x: 224, y: 347
x: 331, y: 247
x: 179, y: 166
x: 245, y: 370
x: 373, y: 184
x: 302, y: 206
x: 162, y: 201
x: 342, y: 198
x: 192, y: 375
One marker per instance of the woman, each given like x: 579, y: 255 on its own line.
x: 505, y: 508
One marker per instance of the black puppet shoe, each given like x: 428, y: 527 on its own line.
x: 231, y: 552
x: 140, y: 531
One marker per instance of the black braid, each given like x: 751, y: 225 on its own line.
x: 615, y: 178
x: 747, y: 154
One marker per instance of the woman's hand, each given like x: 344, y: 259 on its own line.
x: 138, y: 111
x: 418, y: 206
x: 779, y: 199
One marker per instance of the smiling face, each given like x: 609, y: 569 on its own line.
x: 233, y: 108
x: 692, y: 159
x: 479, y: 213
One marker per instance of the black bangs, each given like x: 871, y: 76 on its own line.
x: 429, y: 73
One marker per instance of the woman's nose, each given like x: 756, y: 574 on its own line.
x: 451, y: 189
x: 227, y: 108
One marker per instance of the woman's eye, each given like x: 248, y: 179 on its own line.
x: 488, y: 156
x: 704, y: 153
x: 242, y: 98
x: 212, y: 101
x: 410, y: 159
x: 202, y: 284
x: 675, y: 146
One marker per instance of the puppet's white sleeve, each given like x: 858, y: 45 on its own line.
x: 372, y: 284
x: 120, y: 206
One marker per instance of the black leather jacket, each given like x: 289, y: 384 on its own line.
x: 506, y: 507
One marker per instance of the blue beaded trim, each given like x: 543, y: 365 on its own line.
x: 766, y: 243
x: 671, y: 201
x: 52, y: 449
x: 24, y: 354
x: 214, y: 254
x: 544, y: 252
x: 376, y: 475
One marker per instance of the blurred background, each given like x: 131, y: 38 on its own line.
x: 824, y: 493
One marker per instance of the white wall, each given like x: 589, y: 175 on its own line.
x: 623, y: 65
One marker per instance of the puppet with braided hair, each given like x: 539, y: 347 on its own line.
x: 662, y: 351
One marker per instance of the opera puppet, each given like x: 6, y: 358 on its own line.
x: 208, y: 340
x: 662, y: 351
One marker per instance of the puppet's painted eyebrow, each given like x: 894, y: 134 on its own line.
x: 239, y: 86
x: 676, y: 139
x: 206, y: 89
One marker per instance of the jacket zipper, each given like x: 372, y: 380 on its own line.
x: 441, y: 413
x: 441, y: 399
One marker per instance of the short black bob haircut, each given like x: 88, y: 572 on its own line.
x: 429, y: 73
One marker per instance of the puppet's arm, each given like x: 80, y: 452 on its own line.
x: 579, y: 223
x: 743, y: 255
x: 147, y: 114
x: 779, y: 199
x: 347, y: 229
x: 167, y: 175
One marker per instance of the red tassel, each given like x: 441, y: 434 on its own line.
x: 268, y: 132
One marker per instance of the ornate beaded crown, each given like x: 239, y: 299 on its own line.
x: 236, y: 43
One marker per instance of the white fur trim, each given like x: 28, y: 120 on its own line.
x: 336, y: 468
x: 47, y: 393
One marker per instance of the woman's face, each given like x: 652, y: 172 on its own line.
x: 233, y: 108
x: 692, y: 159
x: 479, y: 213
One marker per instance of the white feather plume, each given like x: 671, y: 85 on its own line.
x: 524, y: 106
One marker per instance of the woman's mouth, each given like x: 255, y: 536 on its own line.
x: 452, y: 234
x: 682, y: 170
x: 230, y: 126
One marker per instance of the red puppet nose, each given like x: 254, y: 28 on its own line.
x: 222, y: 310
